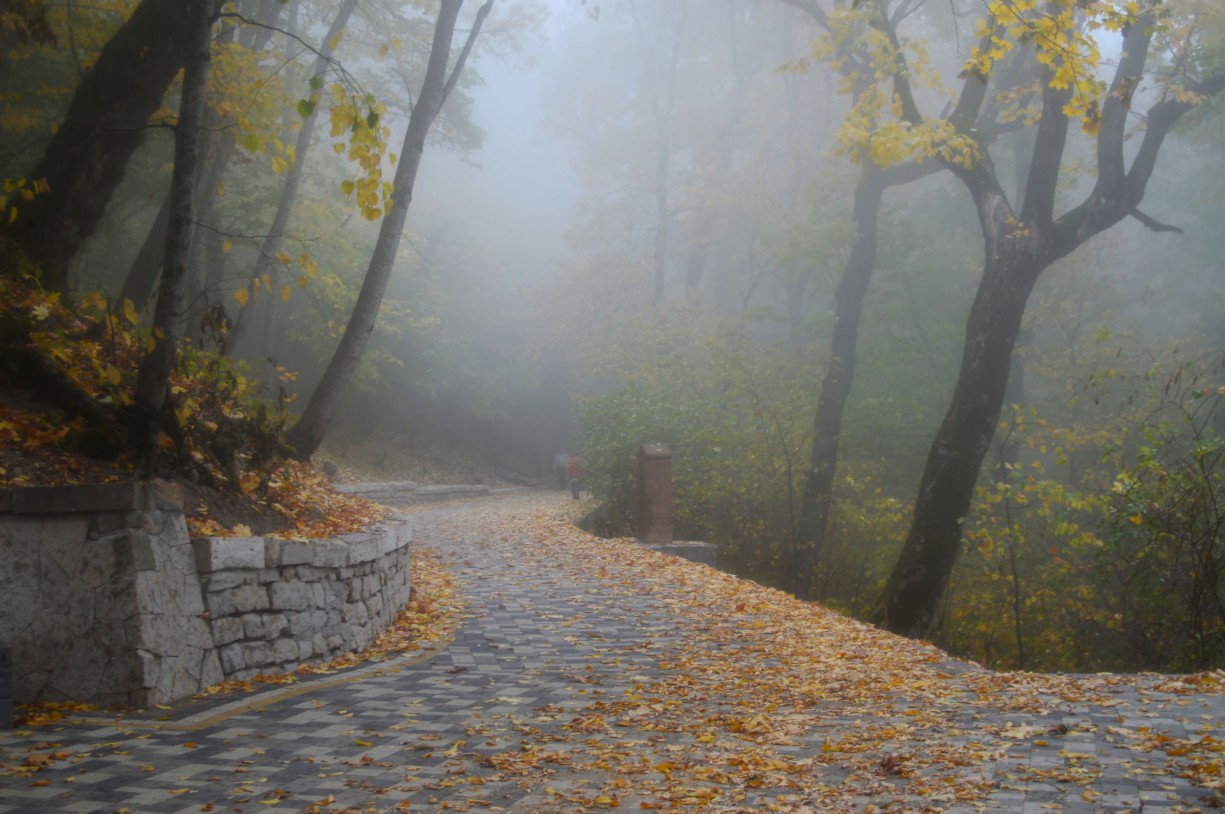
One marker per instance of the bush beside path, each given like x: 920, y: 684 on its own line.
x: 590, y: 675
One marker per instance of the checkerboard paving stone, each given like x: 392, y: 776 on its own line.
x: 537, y: 645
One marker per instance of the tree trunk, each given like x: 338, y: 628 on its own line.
x: 946, y: 489
x: 293, y: 176
x: 1017, y: 250
x: 699, y: 245
x: 216, y: 150
x: 796, y: 276
x: 306, y: 435
x: 142, y: 277
x: 839, y: 375
x: 210, y: 161
x: 1009, y: 450
x: 153, y: 379
x: 105, y: 123
x: 663, y: 221
x: 265, y: 13
x: 662, y: 101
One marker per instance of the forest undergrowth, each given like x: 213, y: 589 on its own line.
x: 68, y: 373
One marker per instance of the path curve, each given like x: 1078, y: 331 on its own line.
x: 576, y: 682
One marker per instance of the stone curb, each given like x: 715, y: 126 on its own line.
x: 222, y: 553
x: 410, y: 492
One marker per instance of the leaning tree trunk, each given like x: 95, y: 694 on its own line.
x: 153, y: 379
x: 308, y: 433
x: 839, y: 375
x: 945, y: 491
x: 293, y: 176
x: 214, y: 153
x: 1018, y: 248
x: 840, y: 372
x: 142, y: 277
x: 105, y: 123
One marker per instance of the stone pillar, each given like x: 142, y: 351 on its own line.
x: 654, y: 494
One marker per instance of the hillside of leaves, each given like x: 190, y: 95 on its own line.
x: 66, y: 378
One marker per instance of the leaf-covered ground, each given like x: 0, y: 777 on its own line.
x: 594, y: 675
x: 764, y: 691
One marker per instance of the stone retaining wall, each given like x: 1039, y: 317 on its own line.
x: 105, y: 599
x: 274, y: 604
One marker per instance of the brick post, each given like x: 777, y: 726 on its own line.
x: 654, y: 494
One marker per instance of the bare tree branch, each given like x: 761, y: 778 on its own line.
x: 1155, y: 225
x: 481, y: 14
x: 1040, y: 185
x: 1110, y: 166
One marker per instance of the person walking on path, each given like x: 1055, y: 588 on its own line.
x: 574, y: 474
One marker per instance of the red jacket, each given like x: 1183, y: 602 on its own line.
x: 574, y: 467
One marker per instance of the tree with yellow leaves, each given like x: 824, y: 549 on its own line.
x: 1168, y: 63
x: 440, y: 79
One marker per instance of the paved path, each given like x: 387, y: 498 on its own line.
x: 526, y: 710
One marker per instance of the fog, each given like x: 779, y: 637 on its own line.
x: 521, y: 184
x: 564, y: 191
x: 618, y: 181
x: 824, y: 256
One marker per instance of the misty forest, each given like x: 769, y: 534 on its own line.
x: 924, y: 295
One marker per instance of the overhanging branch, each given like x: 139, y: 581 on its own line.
x: 810, y: 8
x: 481, y: 14
x: 1154, y: 225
